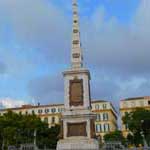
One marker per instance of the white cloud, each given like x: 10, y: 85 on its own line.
x: 39, y: 25
x: 119, y: 54
x: 10, y: 103
x: 117, y: 50
x: 118, y: 47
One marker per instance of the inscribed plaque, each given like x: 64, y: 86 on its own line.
x: 76, y: 129
x: 76, y: 92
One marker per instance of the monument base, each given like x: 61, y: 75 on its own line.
x: 78, y: 144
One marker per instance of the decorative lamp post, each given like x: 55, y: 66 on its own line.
x: 35, y: 137
x: 142, y: 134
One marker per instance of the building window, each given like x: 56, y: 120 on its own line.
x: 98, y: 117
x: 53, y: 110
x: 105, y: 116
x: 53, y: 120
x: 46, y: 119
x: 98, y: 128
x: 148, y: 102
x: 46, y: 110
x: 40, y: 111
x: 75, y: 21
x: 97, y: 107
x: 104, y: 106
x: 60, y: 110
x: 106, y: 128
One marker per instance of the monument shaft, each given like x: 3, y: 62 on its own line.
x: 78, y: 129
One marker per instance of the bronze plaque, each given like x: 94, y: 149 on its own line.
x: 76, y: 92
x: 76, y: 129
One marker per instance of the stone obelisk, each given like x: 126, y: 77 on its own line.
x: 78, y: 129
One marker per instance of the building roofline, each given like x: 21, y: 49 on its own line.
x: 136, y: 98
x: 29, y: 106
x: 97, y: 101
x: 136, y: 107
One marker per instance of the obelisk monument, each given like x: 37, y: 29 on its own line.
x: 78, y: 129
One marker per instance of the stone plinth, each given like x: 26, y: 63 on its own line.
x: 78, y: 143
x: 78, y: 117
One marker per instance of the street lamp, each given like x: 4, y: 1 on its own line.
x: 142, y: 134
x: 3, y: 143
x: 35, y: 133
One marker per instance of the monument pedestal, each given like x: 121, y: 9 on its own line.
x: 78, y: 131
x: 78, y: 143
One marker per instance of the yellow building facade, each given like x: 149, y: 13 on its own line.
x: 106, y: 115
x: 130, y: 104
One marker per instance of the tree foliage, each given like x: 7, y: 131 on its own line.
x: 138, y: 123
x: 16, y: 129
x: 114, y: 136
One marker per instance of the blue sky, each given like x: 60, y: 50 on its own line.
x: 35, y: 41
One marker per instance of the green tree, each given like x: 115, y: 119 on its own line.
x: 114, y: 136
x: 130, y: 139
x: 48, y: 138
x: 16, y: 129
x: 134, y: 120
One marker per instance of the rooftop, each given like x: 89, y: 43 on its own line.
x: 136, y: 98
x: 28, y: 106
